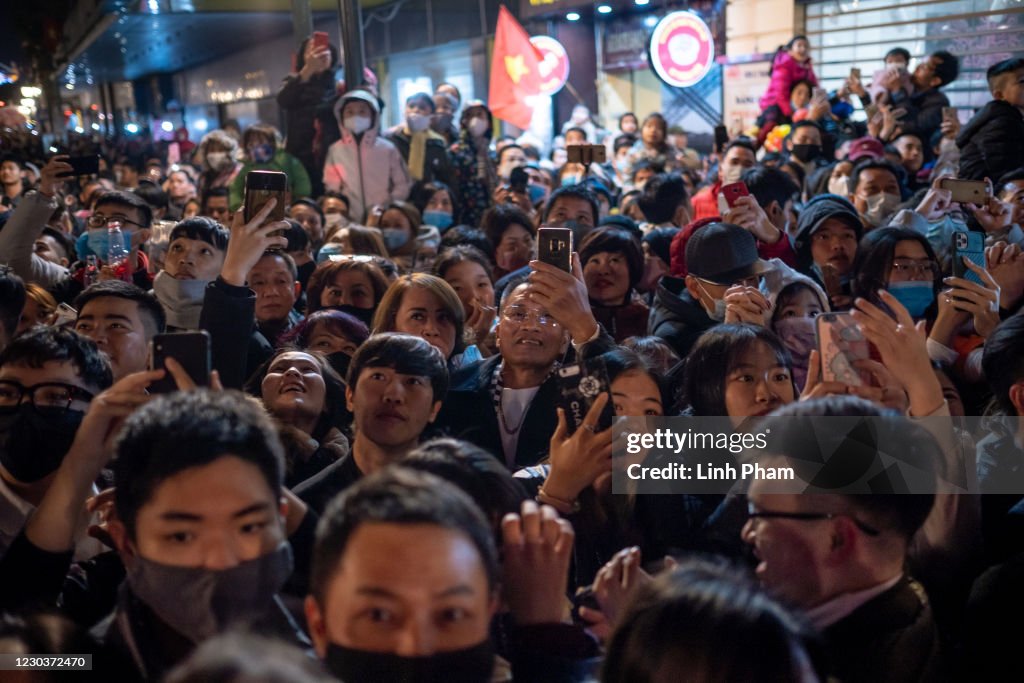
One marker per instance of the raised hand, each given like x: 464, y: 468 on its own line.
x: 537, y: 548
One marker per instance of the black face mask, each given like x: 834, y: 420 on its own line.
x: 34, y: 441
x: 364, y: 315
x: 304, y: 271
x: 806, y: 153
x: 471, y: 665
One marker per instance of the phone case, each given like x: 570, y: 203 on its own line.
x: 190, y: 349
x: 841, y: 343
x: 554, y: 246
x: 966, y: 191
x: 734, y: 191
x: 578, y: 388
x: 971, y: 245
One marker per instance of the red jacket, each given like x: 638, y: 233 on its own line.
x: 705, y: 202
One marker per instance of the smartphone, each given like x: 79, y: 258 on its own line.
x: 260, y: 186
x: 320, y: 40
x: 586, y: 154
x: 64, y: 315
x: 841, y: 343
x: 949, y: 114
x: 972, y: 246
x: 721, y: 138
x: 190, y: 349
x: 87, y: 165
x: 734, y: 191
x: 554, y: 246
x: 819, y: 94
x: 518, y: 180
x: 966, y: 191
x: 578, y: 387
x: 855, y: 72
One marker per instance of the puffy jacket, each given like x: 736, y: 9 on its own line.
x: 992, y: 143
x: 298, y: 179
x: 785, y: 72
x: 677, y: 317
x: 368, y: 170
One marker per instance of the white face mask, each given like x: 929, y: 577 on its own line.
x: 839, y: 185
x: 880, y: 207
x: 417, y: 122
x: 357, y: 124
x: 478, y: 126
x: 731, y: 174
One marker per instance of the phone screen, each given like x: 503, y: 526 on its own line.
x: 841, y: 344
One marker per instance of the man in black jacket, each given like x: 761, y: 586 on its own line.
x: 424, y: 151
x: 992, y: 143
x: 924, y: 107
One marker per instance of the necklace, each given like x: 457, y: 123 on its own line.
x: 497, y: 387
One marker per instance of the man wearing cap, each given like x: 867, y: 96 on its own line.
x: 865, y: 148
x: 828, y: 231
x: 721, y: 260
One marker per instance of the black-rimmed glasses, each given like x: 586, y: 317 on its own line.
x: 754, y: 513
x: 43, y: 395
x: 98, y: 220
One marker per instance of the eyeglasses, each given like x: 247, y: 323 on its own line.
x: 44, y: 395
x: 754, y: 513
x: 98, y: 220
x: 917, y: 268
x: 518, y: 315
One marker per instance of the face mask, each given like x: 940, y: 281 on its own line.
x: 262, y: 154
x: 731, y: 174
x: 570, y: 179
x: 364, y: 315
x: 441, y: 123
x: 394, y: 238
x: 470, y: 665
x: 94, y: 242
x: 305, y: 270
x: 357, y: 124
x: 442, y: 220
x: 536, y: 192
x: 881, y: 206
x: 340, y: 362
x: 797, y: 335
x: 217, y: 160
x: 916, y: 296
x: 182, y: 299
x: 718, y: 314
x: 199, y: 603
x: 417, y: 122
x: 478, y: 126
x: 806, y: 153
x: 839, y: 185
x: 34, y: 441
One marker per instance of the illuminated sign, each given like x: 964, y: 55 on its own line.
x: 682, y: 49
x: 554, y: 70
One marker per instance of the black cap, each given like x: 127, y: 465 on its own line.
x: 722, y: 253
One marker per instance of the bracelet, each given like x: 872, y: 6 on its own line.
x: 571, y: 505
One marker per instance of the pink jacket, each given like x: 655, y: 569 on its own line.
x: 785, y: 72
x: 368, y: 172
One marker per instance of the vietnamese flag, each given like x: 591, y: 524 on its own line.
x: 515, y: 72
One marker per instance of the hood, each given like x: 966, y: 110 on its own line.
x: 778, y: 276
x: 813, y: 215
x: 996, y: 109
x: 363, y: 96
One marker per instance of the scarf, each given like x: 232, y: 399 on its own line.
x: 418, y: 153
x: 182, y: 299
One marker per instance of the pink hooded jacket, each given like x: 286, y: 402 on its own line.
x: 785, y: 72
x: 368, y: 172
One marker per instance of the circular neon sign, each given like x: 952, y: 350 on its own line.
x: 682, y: 49
x: 554, y: 69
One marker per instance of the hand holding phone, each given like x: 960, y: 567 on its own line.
x: 260, y: 187
x: 975, y: 192
x: 579, y: 387
x: 969, y: 245
x: 841, y: 344
x: 84, y: 165
x: 320, y: 41
x: 555, y: 247
x: 734, y: 191
x: 190, y: 349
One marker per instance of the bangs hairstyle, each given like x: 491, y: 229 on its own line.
x: 398, y: 495
x: 363, y: 240
x: 461, y: 254
x: 204, y: 229
x: 179, y: 431
x: 336, y: 322
x: 872, y: 264
x: 716, y: 353
x: 423, y: 191
x: 387, y: 309
x: 324, y: 275
x: 614, y: 241
x: 406, y: 355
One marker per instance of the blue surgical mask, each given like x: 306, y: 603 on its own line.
x: 262, y: 154
x: 95, y: 242
x: 394, y: 238
x: 442, y: 220
x: 536, y: 192
x: 570, y: 179
x: 916, y: 296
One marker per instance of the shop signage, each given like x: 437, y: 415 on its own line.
x: 682, y: 49
x: 554, y: 70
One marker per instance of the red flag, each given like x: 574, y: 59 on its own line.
x: 515, y: 72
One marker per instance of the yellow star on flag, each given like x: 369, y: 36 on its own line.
x: 516, y: 68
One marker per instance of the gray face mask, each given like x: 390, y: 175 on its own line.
x: 718, y: 314
x: 200, y: 603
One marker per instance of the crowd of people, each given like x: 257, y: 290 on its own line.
x: 376, y: 483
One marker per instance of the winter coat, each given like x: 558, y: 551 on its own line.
x: 298, y: 179
x: 677, y: 317
x: 992, y: 143
x: 436, y: 165
x: 785, y: 72
x: 368, y: 170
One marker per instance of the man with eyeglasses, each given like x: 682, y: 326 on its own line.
x: 841, y: 559
x: 47, y: 379
x: 506, y: 403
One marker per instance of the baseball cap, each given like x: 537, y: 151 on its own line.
x: 723, y: 253
x: 865, y: 148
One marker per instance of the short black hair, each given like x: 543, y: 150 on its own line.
x: 12, y: 300
x: 35, y: 348
x: 298, y: 238
x: 403, y: 353
x: 1003, y: 360
x: 1007, y: 66
x: 617, y: 241
x: 1009, y: 177
x: 132, y: 199
x: 214, y: 192
x: 470, y: 236
x: 459, y: 254
x: 898, y: 52
x: 508, y: 147
x: 423, y: 191
x: 576, y: 129
x: 310, y: 204
x: 662, y: 196
x: 743, y: 142
x: 499, y: 218
x: 573, y: 192
x: 152, y: 313
x: 289, y: 262
x: 63, y: 241
x: 769, y: 185
x: 948, y: 68
x: 867, y: 165
x: 625, y: 140
x: 13, y: 158
x: 179, y: 431
x: 331, y: 194
x: 202, y: 228
x: 806, y: 123
x: 398, y: 495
